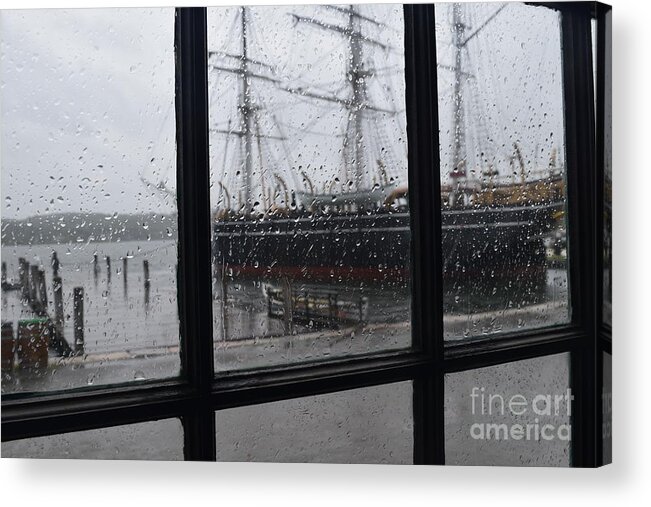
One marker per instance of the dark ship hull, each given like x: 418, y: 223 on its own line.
x: 488, y: 242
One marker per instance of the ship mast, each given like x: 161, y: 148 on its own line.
x: 459, y: 42
x: 357, y: 102
x: 245, y: 111
x: 459, y: 28
x: 357, y: 78
x: 247, y: 70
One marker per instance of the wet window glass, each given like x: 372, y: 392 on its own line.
x: 502, y: 168
x: 370, y: 425
x: 514, y: 414
x: 153, y: 440
x: 89, y: 221
x: 310, y: 215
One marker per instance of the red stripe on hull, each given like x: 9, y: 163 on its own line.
x: 318, y: 273
x: 368, y: 274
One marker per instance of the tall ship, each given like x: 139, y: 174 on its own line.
x: 278, y: 217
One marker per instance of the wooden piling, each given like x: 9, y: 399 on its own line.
x: 33, y: 284
x: 4, y: 274
x: 78, y: 319
x: 23, y: 278
x: 145, y: 270
x: 57, y: 338
x: 288, y: 316
x: 57, y: 289
x: 55, y: 264
x: 108, y: 269
x: 124, y: 274
x: 42, y: 290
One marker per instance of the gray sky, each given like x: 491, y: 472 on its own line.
x: 87, y: 99
x: 84, y: 96
x: 515, y: 92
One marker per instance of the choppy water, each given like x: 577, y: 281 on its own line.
x: 117, y: 317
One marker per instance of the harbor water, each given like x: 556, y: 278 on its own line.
x: 131, y: 329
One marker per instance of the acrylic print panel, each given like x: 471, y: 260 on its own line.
x: 88, y: 190
x: 311, y: 228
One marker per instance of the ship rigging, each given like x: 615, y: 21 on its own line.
x: 277, y: 215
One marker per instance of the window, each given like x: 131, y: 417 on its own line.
x: 152, y: 440
x: 359, y: 222
x: 503, y: 167
x: 308, y: 170
x: 84, y: 179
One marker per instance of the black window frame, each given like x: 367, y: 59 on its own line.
x: 198, y: 393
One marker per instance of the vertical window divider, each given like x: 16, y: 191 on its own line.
x: 582, y: 233
x: 195, y: 265
x: 425, y: 207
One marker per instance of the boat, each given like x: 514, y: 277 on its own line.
x: 361, y: 232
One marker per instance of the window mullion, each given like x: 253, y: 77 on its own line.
x: 195, y: 267
x: 581, y: 189
x: 425, y: 207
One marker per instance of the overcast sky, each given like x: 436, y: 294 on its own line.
x: 87, y: 99
x: 84, y: 96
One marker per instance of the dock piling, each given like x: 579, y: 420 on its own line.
x: 288, y: 309
x: 23, y: 278
x: 42, y: 290
x: 55, y: 264
x: 57, y: 286
x: 33, y: 283
x: 147, y: 282
x: 95, y: 268
x: 124, y: 273
x: 78, y: 319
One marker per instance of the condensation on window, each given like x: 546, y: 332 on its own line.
x: 153, y: 440
x: 89, y: 217
x: 310, y: 215
x: 502, y: 168
x: 514, y: 414
x: 369, y: 425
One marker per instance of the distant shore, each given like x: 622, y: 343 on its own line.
x: 62, y: 228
